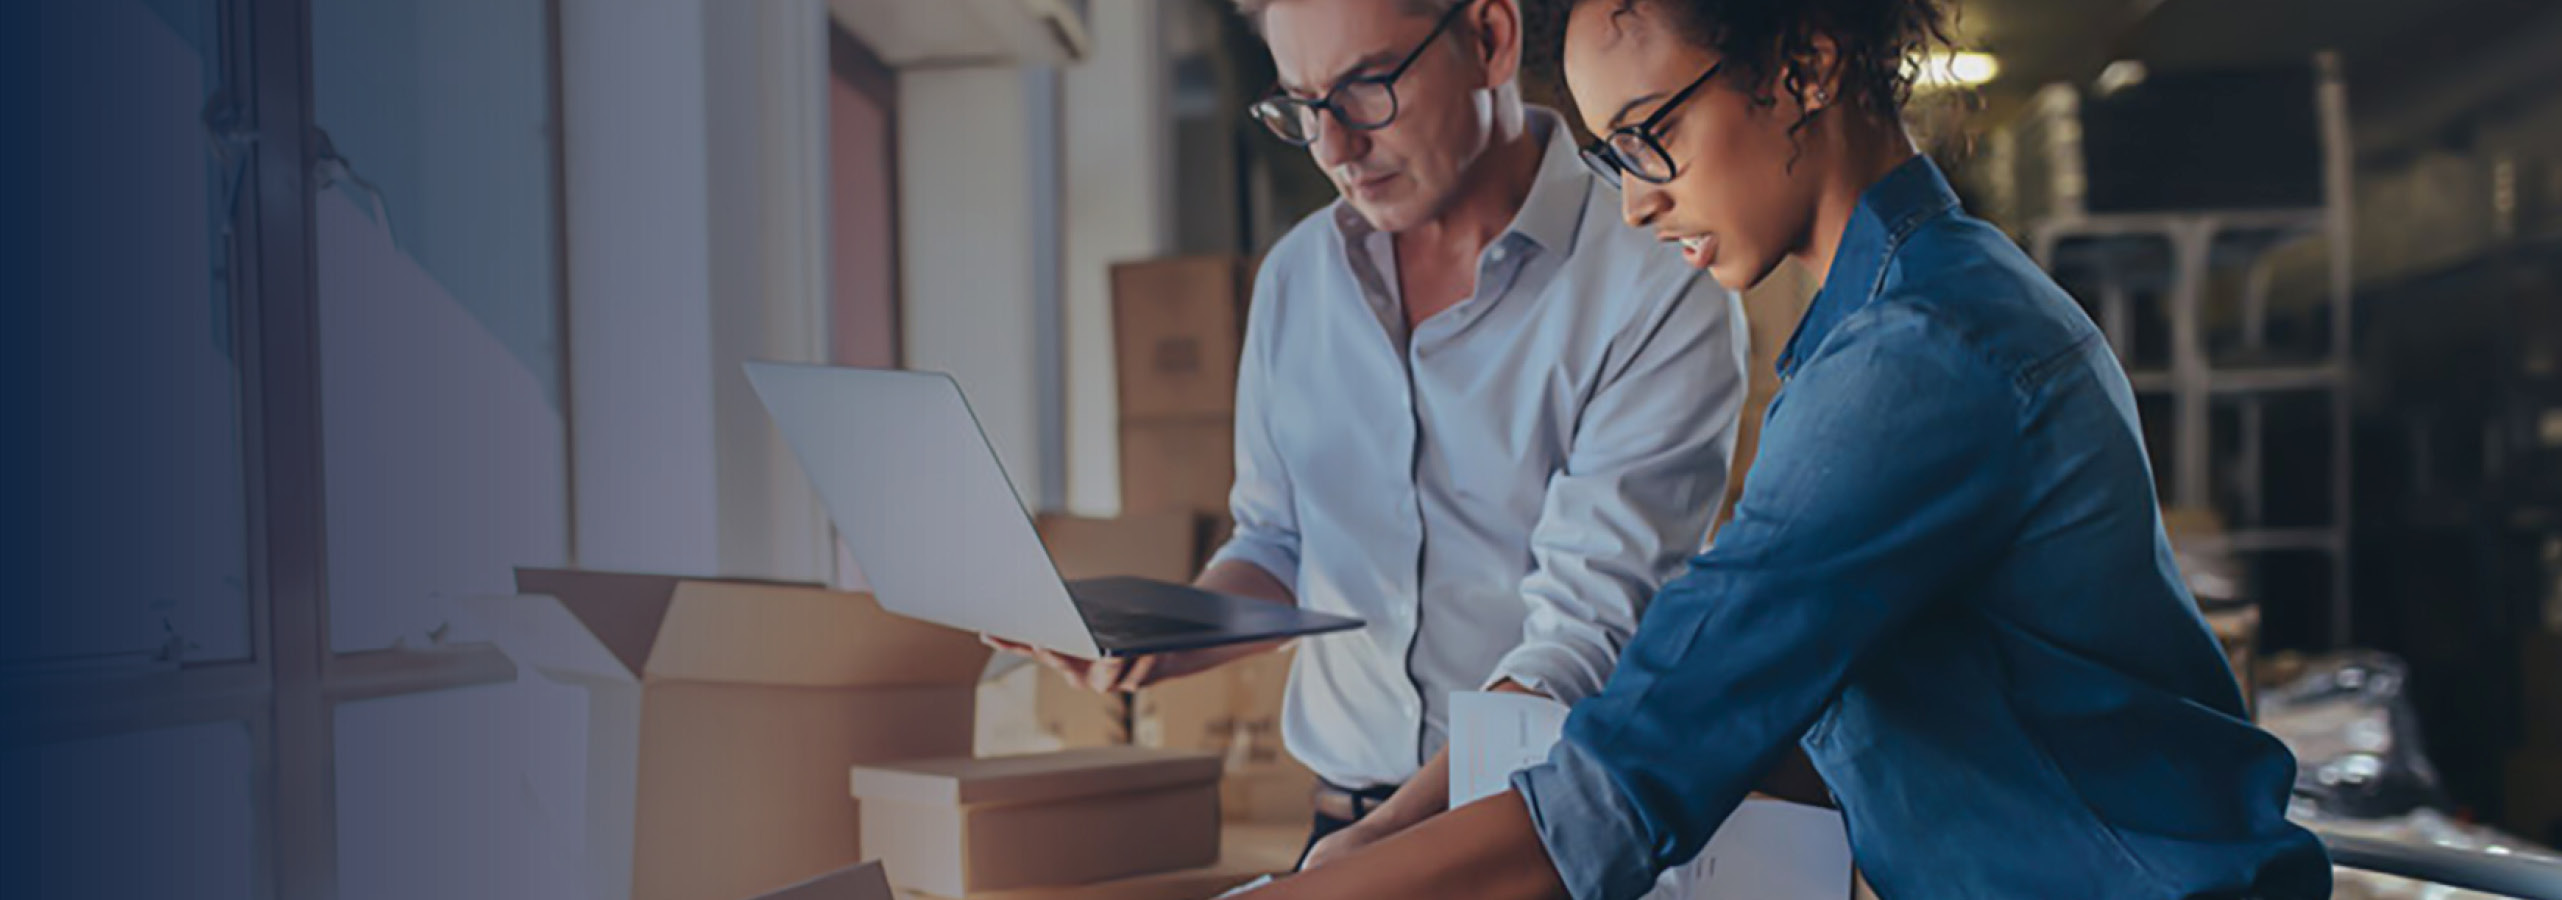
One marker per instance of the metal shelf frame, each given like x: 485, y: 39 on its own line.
x: 2192, y: 381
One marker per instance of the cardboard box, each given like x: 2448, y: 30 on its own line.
x: 1164, y: 545
x: 1234, y: 711
x: 1246, y: 852
x: 722, y: 715
x: 1177, y: 465
x: 1029, y: 709
x: 856, y: 882
x: 1178, y: 327
x: 1282, y: 793
x: 957, y: 825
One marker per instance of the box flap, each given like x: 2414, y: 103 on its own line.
x: 1032, y: 778
x: 540, y: 632
x: 622, y: 611
x: 740, y: 631
x: 764, y: 633
x: 861, y: 881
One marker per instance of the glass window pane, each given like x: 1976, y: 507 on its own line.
x: 138, y: 437
x: 439, y: 307
x: 178, y: 799
x: 441, y: 795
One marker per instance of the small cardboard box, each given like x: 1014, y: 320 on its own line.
x: 1234, y: 711
x: 1282, y: 793
x: 1026, y: 708
x: 863, y: 881
x: 1177, y: 465
x: 1178, y: 327
x: 957, y: 825
x: 722, y: 715
x: 1246, y: 852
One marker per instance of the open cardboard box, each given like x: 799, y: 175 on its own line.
x: 722, y: 715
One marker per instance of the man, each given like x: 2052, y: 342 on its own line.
x: 1473, y: 409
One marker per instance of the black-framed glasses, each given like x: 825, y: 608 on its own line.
x: 1636, y: 149
x: 1366, y: 103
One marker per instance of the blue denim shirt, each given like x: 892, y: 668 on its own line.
x: 1946, y: 580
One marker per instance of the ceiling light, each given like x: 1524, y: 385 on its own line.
x: 1947, y: 70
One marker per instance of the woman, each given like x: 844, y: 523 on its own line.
x: 1946, y: 578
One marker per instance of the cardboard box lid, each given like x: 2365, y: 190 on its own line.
x: 639, y: 628
x: 861, y: 881
x: 1246, y: 852
x: 1034, y: 778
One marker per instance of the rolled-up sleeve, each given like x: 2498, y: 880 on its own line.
x: 1261, y: 500
x: 1880, y: 483
x: 1636, y: 493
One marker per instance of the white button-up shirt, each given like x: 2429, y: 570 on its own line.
x: 1499, y: 492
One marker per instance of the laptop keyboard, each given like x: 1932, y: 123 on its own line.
x: 1122, y: 626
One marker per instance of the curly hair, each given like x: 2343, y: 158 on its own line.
x: 1879, y: 45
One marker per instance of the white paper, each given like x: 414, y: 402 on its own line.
x: 1242, y: 888
x: 1767, y: 850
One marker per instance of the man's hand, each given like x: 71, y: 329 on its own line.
x: 1113, y: 675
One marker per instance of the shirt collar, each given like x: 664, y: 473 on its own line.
x: 1551, y: 214
x: 1888, y: 212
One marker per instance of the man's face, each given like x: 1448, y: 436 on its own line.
x: 1406, y: 173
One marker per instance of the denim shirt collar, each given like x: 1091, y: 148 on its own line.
x: 1888, y: 212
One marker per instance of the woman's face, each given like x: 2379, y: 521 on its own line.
x: 1735, y: 206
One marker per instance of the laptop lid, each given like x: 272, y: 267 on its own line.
x: 922, y: 502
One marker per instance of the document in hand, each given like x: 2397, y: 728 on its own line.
x: 1767, y: 850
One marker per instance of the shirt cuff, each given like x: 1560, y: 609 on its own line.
x: 1590, y: 830
x: 1551, y: 668
x: 1282, y: 563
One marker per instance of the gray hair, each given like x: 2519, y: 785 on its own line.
x: 1252, y: 10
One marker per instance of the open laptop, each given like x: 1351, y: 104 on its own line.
x: 930, y: 515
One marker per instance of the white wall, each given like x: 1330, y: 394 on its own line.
x: 967, y: 249
x: 638, y: 213
x: 1119, y: 206
x: 695, y: 141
